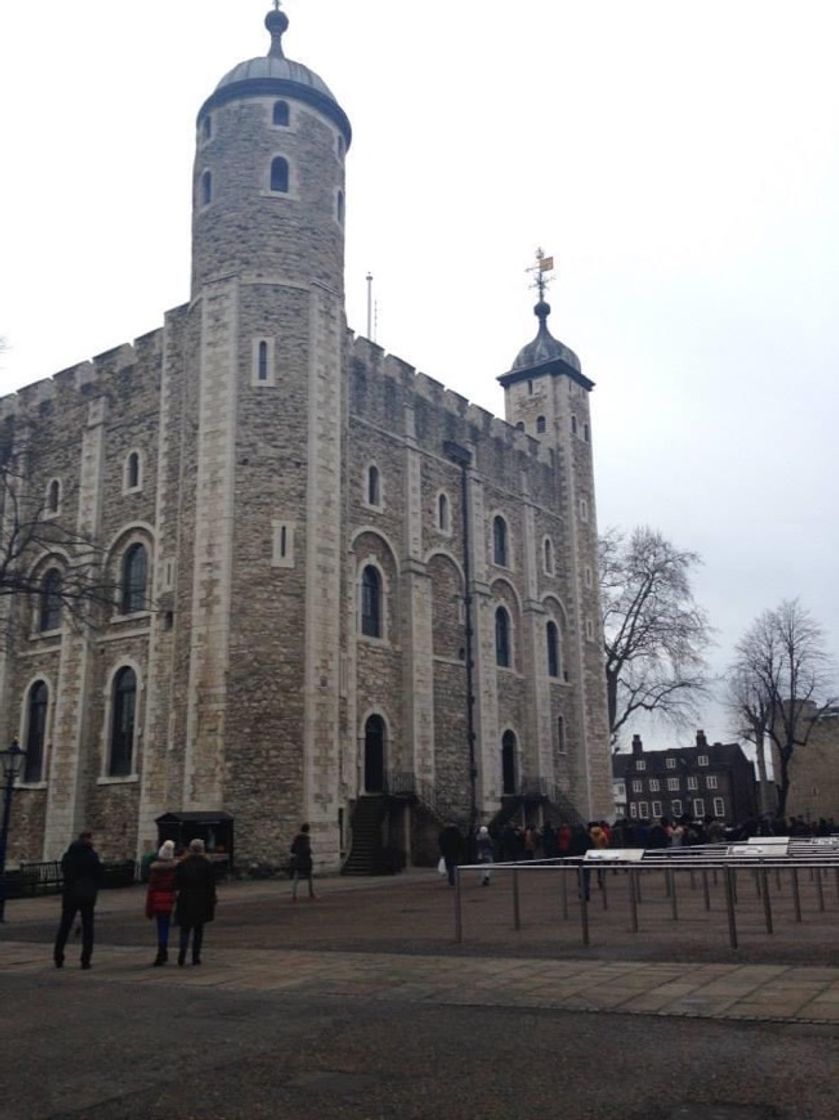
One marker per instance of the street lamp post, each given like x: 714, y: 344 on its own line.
x: 11, y: 763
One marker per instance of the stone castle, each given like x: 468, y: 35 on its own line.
x: 338, y: 585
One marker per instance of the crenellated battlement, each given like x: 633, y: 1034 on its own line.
x: 86, y: 376
x: 393, y: 370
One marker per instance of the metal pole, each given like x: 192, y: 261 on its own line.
x: 633, y: 898
x: 565, y: 892
x: 638, y: 889
x: 370, y: 306
x: 516, y: 910
x: 674, y: 908
x: 729, y: 899
x: 692, y: 880
x: 705, y: 891
x: 605, y: 892
x: 583, y: 904
x: 820, y: 889
x: 767, y: 904
x: 4, y: 836
x: 458, y: 912
x: 796, y: 894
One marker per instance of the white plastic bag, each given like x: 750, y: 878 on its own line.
x: 441, y: 867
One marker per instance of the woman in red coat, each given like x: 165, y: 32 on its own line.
x: 160, y: 897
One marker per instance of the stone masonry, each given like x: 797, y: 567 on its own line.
x: 271, y: 466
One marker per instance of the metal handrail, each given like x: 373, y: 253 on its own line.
x: 729, y: 865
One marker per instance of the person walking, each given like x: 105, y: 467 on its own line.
x: 484, y: 850
x: 451, y: 843
x: 195, y: 883
x: 160, y: 897
x: 82, y: 873
x: 301, y: 854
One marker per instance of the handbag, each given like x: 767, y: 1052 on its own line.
x: 441, y: 866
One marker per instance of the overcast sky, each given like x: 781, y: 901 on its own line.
x: 681, y: 162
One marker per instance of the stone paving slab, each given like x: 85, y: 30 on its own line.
x: 777, y: 993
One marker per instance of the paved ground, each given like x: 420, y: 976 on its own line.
x: 360, y: 1005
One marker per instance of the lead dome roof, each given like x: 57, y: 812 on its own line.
x: 544, y: 347
x: 267, y: 66
x: 275, y: 75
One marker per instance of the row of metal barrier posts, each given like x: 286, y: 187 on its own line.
x: 669, y: 860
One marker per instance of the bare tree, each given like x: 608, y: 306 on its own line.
x: 36, y: 542
x: 752, y: 711
x: 784, y: 676
x: 655, y: 633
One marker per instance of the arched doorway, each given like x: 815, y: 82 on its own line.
x: 509, y: 777
x: 374, y: 755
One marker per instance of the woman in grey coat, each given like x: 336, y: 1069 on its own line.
x: 483, y: 845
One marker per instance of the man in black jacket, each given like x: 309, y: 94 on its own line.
x: 82, y: 879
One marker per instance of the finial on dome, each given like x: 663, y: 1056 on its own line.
x: 277, y: 24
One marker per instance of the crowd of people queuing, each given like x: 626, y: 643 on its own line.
x: 515, y: 842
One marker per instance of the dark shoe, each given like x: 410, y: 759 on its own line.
x: 181, y: 959
x: 86, y: 964
x: 59, y: 961
x: 161, y: 958
x: 196, y: 960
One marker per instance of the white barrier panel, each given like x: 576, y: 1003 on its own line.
x: 614, y: 855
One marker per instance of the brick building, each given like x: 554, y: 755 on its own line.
x: 336, y: 579
x: 814, y: 769
x: 714, y: 778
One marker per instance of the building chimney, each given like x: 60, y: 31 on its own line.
x: 701, y: 741
x: 637, y: 745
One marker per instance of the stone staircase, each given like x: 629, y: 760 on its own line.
x: 367, y: 854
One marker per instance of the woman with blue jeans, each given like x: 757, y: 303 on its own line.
x: 160, y: 897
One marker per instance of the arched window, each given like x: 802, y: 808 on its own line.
x: 339, y: 208
x: 281, y: 114
x: 206, y: 188
x: 374, y: 486
x: 499, y: 542
x: 374, y: 755
x: 502, y: 638
x: 279, y: 175
x: 262, y: 361
x: 134, y: 576
x: 520, y: 426
x: 50, y: 613
x: 509, y: 767
x: 371, y: 602
x: 573, y: 425
x: 549, y: 556
x: 132, y: 471
x: 541, y: 424
x: 53, y: 496
x: 444, y: 516
x: 123, y: 709
x: 36, y: 730
x: 552, y: 635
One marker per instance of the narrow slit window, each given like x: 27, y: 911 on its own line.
x: 36, y: 728
x: 53, y: 496
x: 262, y: 361
x: 374, y: 486
x: 499, y: 542
x: 339, y: 209
x: 502, y: 638
x: 206, y: 188
x: 443, y: 514
x: 553, y: 649
x: 207, y: 128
